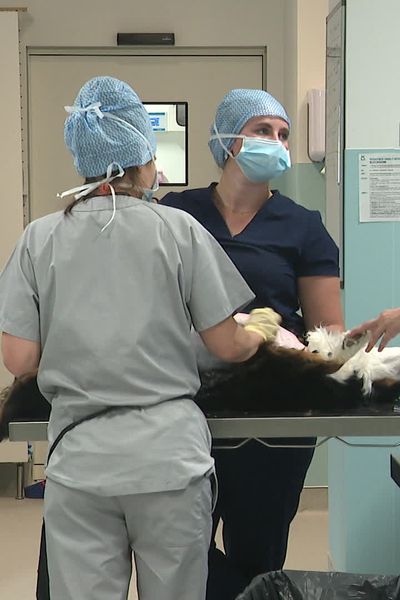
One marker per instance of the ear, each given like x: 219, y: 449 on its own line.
x: 147, y: 174
x: 236, y: 146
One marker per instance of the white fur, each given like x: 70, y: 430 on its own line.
x: 335, y: 345
x: 369, y: 366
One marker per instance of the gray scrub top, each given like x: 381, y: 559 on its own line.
x: 113, y: 312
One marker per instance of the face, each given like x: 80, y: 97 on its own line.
x: 271, y: 128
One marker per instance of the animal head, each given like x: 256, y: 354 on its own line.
x: 335, y: 345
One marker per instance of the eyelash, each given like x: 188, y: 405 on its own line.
x: 265, y: 131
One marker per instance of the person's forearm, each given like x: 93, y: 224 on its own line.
x: 320, y: 302
x: 245, y: 344
x: 230, y: 342
x: 235, y: 343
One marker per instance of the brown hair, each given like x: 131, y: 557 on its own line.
x: 132, y: 177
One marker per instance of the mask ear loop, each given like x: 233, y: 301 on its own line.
x: 218, y: 136
x: 114, y: 208
x: 85, y: 189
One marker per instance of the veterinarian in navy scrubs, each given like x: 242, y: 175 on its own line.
x: 288, y: 259
x: 102, y: 299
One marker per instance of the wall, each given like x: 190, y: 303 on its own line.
x: 94, y: 23
x: 364, y: 501
x: 11, y: 221
x: 304, y: 62
x: 292, y: 30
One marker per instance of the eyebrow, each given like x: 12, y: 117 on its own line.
x: 282, y: 129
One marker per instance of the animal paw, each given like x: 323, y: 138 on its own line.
x: 351, y: 345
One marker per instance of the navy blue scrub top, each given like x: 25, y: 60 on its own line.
x: 284, y: 241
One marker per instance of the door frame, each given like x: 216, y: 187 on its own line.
x: 256, y: 51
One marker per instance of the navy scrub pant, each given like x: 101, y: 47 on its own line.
x: 258, y: 496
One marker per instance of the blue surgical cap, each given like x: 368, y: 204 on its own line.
x: 97, y: 142
x: 237, y: 107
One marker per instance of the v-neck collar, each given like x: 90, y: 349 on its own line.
x: 220, y: 217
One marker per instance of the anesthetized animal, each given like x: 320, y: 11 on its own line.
x: 333, y: 375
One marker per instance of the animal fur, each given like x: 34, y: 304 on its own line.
x: 283, y: 380
x: 275, y: 380
x: 369, y: 367
x: 22, y: 401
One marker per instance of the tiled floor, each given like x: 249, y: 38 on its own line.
x: 20, y: 523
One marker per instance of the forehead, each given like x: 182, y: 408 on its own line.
x: 275, y: 122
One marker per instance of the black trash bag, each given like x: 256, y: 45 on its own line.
x: 314, y: 585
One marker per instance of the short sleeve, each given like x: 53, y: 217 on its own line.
x: 319, y: 254
x: 19, y: 299
x: 217, y: 289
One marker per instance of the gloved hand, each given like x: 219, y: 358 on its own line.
x: 265, y: 322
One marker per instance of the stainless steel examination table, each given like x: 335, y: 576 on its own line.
x: 358, y: 424
x: 240, y: 428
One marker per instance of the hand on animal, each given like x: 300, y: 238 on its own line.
x: 384, y: 328
x: 265, y: 322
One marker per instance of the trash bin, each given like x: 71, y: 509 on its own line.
x: 315, y: 585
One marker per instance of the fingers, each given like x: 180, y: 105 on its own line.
x: 265, y: 315
x: 360, y: 329
x: 265, y: 322
x: 384, y: 328
x: 388, y: 335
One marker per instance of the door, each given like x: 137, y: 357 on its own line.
x: 200, y: 80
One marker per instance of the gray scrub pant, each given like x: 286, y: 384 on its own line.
x: 90, y: 540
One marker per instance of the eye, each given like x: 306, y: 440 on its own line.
x: 265, y: 131
x: 314, y: 352
x: 284, y: 136
x: 329, y: 355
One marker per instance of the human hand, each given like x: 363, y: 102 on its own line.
x: 264, y: 322
x: 384, y: 327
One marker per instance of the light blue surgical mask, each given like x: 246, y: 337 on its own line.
x: 148, y: 193
x: 259, y: 159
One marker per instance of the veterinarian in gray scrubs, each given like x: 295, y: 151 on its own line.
x: 102, y: 299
